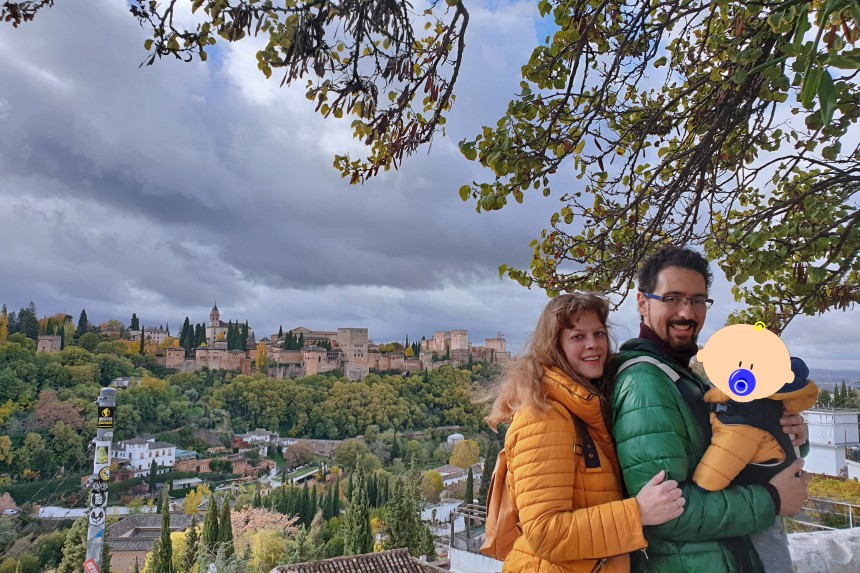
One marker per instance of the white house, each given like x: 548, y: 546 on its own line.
x: 454, y: 439
x: 830, y: 433
x: 187, y: 483
x: 140, y: 453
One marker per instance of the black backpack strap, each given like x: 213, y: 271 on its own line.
x: 589, y: 449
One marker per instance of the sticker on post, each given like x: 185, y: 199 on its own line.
x: 97, y: 516
x: 106, y: 415
x: 99, y: 486
x: 90, y: 566
x: 104, y: 474
x: 98, y: 499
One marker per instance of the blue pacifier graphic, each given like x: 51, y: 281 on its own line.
x: 742, y: 382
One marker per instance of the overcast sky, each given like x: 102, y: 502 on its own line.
x: 161, y: 190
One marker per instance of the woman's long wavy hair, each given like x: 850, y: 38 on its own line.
x: 521, y: 385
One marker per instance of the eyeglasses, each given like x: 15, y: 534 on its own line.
x: 675, y: 301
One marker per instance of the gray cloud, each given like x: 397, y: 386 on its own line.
x: 160, y: 190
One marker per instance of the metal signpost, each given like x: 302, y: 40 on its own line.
x: 97, y: 514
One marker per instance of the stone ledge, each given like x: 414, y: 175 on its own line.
x: 835, y: 551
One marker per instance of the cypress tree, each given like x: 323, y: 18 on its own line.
x: 210, y: 534
x: 184, y: 334
x: 62, y: 338
x: 349, y: 486
x: 301, y: 342
x: 225, y: 531
x: 165, y: 547
x: 82, y: 322
x: 28, y: 322
x: 258, y: 501
x: 304, y: 503
x: 280, y: 332
x: 469, y: 496
x: 142, y: 349
x: 489, y: 465
x: 403, y: 515
x: 192, y: 542
x: 136, y: 566
x: 244, y: 337
x: 336, y: 503
x: 372, y: 490
x: 134, y: 324
x: 314, y: 504
x: 397, y: 517
x: 358, y: 538
x: 395, y: 448
x: 153, y: 476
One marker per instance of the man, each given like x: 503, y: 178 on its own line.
x: 661, y: 423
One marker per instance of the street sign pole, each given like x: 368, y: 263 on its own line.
x: 100, y: 479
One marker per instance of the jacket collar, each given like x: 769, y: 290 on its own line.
x: 573, y: 395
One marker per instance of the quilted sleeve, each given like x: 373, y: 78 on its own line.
x: 651, y: 435
x: 543, y: 466
x: 732, y: 448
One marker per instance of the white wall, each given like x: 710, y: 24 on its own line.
x: 853, y: 470
x: 466, y: 562
x: 823, y: 459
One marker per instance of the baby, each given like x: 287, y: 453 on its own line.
x: 748, y: 445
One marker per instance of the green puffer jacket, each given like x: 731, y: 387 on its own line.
x: 655, y: 429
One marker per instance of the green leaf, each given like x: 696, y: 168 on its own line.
x: 502, y: 269
x: 826, y: 98
x: 810, y: 87
x: 147, y: 45
x: 465, y: 191
x: 801, y: 27
x: 844, y: 62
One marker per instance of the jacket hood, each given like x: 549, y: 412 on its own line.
x: 573, y: 395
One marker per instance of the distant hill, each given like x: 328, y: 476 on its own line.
x: 830, y: 378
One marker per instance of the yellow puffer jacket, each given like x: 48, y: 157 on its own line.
x: 571, y: 516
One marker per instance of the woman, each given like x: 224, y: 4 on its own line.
x: 563, y: 473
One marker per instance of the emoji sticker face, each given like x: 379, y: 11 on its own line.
x: 746, y: 362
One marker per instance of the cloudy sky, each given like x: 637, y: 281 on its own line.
x: 161, y: 190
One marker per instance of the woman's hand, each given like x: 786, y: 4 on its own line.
x: 660, y: 501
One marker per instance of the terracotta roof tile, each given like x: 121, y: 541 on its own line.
x: 394, y: 561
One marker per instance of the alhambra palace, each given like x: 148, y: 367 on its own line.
x: 348, y: 350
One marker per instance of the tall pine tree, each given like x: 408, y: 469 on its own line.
x: 164, y: 556
x: 358, y: 538
x: 134, y: 324
x: 490, y: 456
x: 210, y: 534
x: 82, y: 322
x: 225, y: 531
x: 192, y: 543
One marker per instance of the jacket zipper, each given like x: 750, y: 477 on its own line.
x: 600, y: 565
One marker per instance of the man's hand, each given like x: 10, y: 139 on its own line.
x: 794, y: 425
x: 791, y: 483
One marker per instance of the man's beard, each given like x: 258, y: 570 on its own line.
x: 685, y: 347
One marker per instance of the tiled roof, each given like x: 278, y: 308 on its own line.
x: 143, y: 442
x: 394, y: 561
x: 125, y: 528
